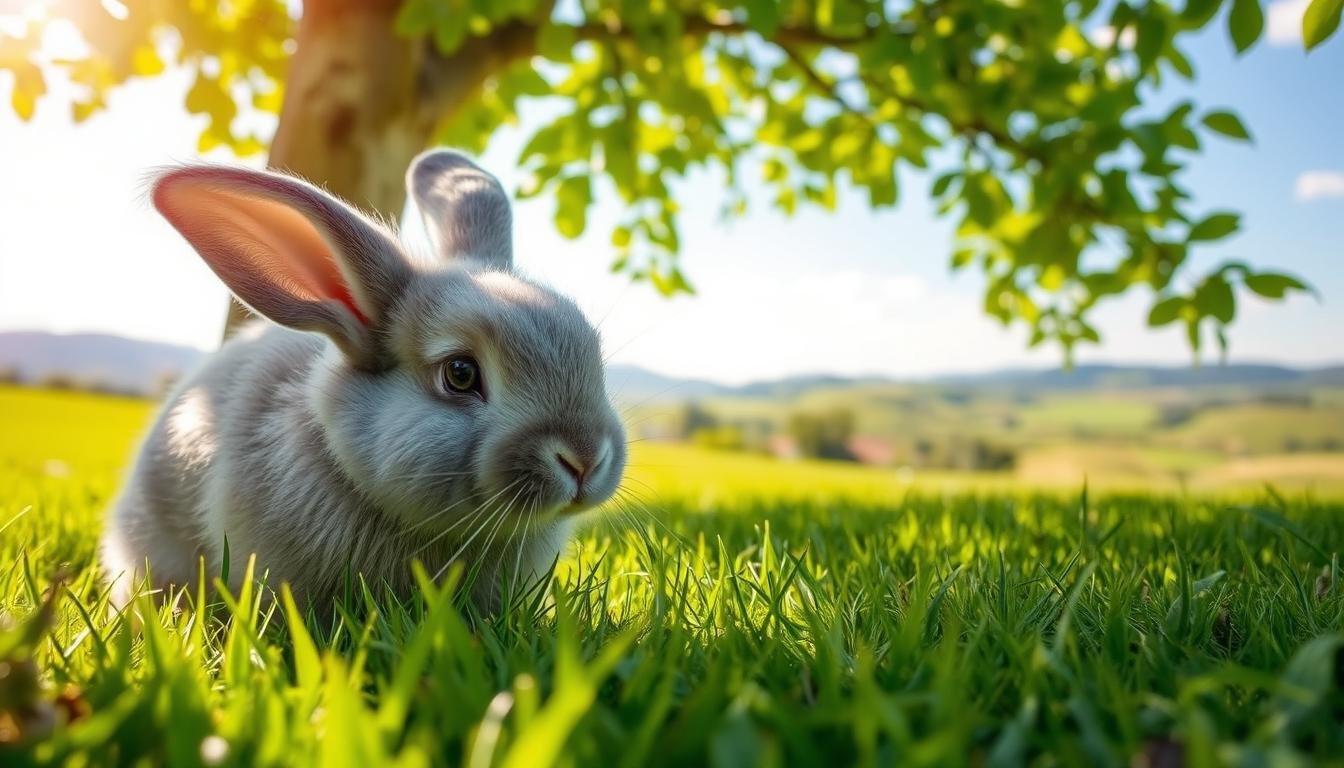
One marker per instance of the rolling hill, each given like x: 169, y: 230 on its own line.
x: 139, y: 366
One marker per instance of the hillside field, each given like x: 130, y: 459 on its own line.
x: 729, y: 610
x: 1205, y: 439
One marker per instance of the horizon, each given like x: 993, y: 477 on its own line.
x: 876, y: 376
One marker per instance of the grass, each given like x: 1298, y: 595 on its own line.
x: 826, y: 620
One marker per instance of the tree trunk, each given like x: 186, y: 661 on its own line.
x: 360, y: 101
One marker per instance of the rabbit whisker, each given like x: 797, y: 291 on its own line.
x: 503, y: 516
x: 445, y: 510
x: 485, y: 521
x: 431, y: 518
x: 428, y: 476
x: 499, y: 512
x: 472, y: 516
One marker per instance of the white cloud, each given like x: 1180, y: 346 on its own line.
x: 1320, y: 185
x: 1285, y: 21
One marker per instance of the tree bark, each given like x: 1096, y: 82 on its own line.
x: 361, y: 101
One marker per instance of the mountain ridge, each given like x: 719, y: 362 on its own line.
x: 133, y: 365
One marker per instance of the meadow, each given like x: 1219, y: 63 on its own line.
x: 1125, y: 437
x: 728, y: 610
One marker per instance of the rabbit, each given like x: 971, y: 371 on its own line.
x: 393, y: 409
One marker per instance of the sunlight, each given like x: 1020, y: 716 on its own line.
x: 191, y: 428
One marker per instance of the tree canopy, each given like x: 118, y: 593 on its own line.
x: 1034, y: 119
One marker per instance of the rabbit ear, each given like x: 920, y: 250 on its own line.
x: 289, y: 251
x: 465, y: 209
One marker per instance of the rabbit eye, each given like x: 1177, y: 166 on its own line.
x: 461, y: 374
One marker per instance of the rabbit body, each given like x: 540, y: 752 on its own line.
x: 454, y: 412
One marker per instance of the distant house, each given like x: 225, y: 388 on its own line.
x: 783, y: 447
x: 871, y: 450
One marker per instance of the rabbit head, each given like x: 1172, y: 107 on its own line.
x: 449, y: 387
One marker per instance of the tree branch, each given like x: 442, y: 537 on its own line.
x: 789, y: 34
x: 827, y: 88
x: 447, y: 81
x: 831, y: 90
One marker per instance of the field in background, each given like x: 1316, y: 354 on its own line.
x: 51, y: 432
x: 1202, y: 439
x: 733, y: 610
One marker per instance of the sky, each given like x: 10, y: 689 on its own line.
x: 850, y: 292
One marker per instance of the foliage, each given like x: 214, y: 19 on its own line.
x: 975, y: 454
x: 236, y: 53
x: 689, y: 418
x: 1001, y: 629
x: 823, y: 435
x: 1064, y: 182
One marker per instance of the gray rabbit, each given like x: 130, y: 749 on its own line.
x: 393, y: 411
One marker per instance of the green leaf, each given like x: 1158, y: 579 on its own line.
x: 545, y: 143
x: 763, y: 16
x: 1215, y: 227
x: 1272, y: 285
x: 942, y: 183
x: 774, y: 171
x: 572, y: 197
x: 1320, y: 21
x: 415, y: 17
x: 556, y: 41
x: 1151, y: 38
x: 1166, y: 311
x: 1228, y: 124
x: 1245, y: 23
x: 1180, y: 63
x: 1198, y: 12
x: 671, y: 282
x: 1192, y: 334
x: 1215, y: 299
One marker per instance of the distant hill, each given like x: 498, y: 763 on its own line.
x: 113, y: 362
x: 633, y: 384
x: 132, y: 365
x: 1089, y: 377
x: 1327, y: 377
x: 797, y: 385
x: 139, y: 366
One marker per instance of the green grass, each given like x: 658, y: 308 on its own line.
x: 735, y: 621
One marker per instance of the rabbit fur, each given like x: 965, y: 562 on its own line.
x: 327, y: 441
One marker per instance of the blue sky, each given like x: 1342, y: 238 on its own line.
x: 850, y: 292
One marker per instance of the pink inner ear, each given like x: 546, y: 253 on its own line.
x: 262, y: 237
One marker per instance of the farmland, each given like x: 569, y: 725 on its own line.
x: 1208, y: 439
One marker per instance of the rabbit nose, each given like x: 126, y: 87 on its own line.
x: 572, y: 464
x: 581, y: 465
